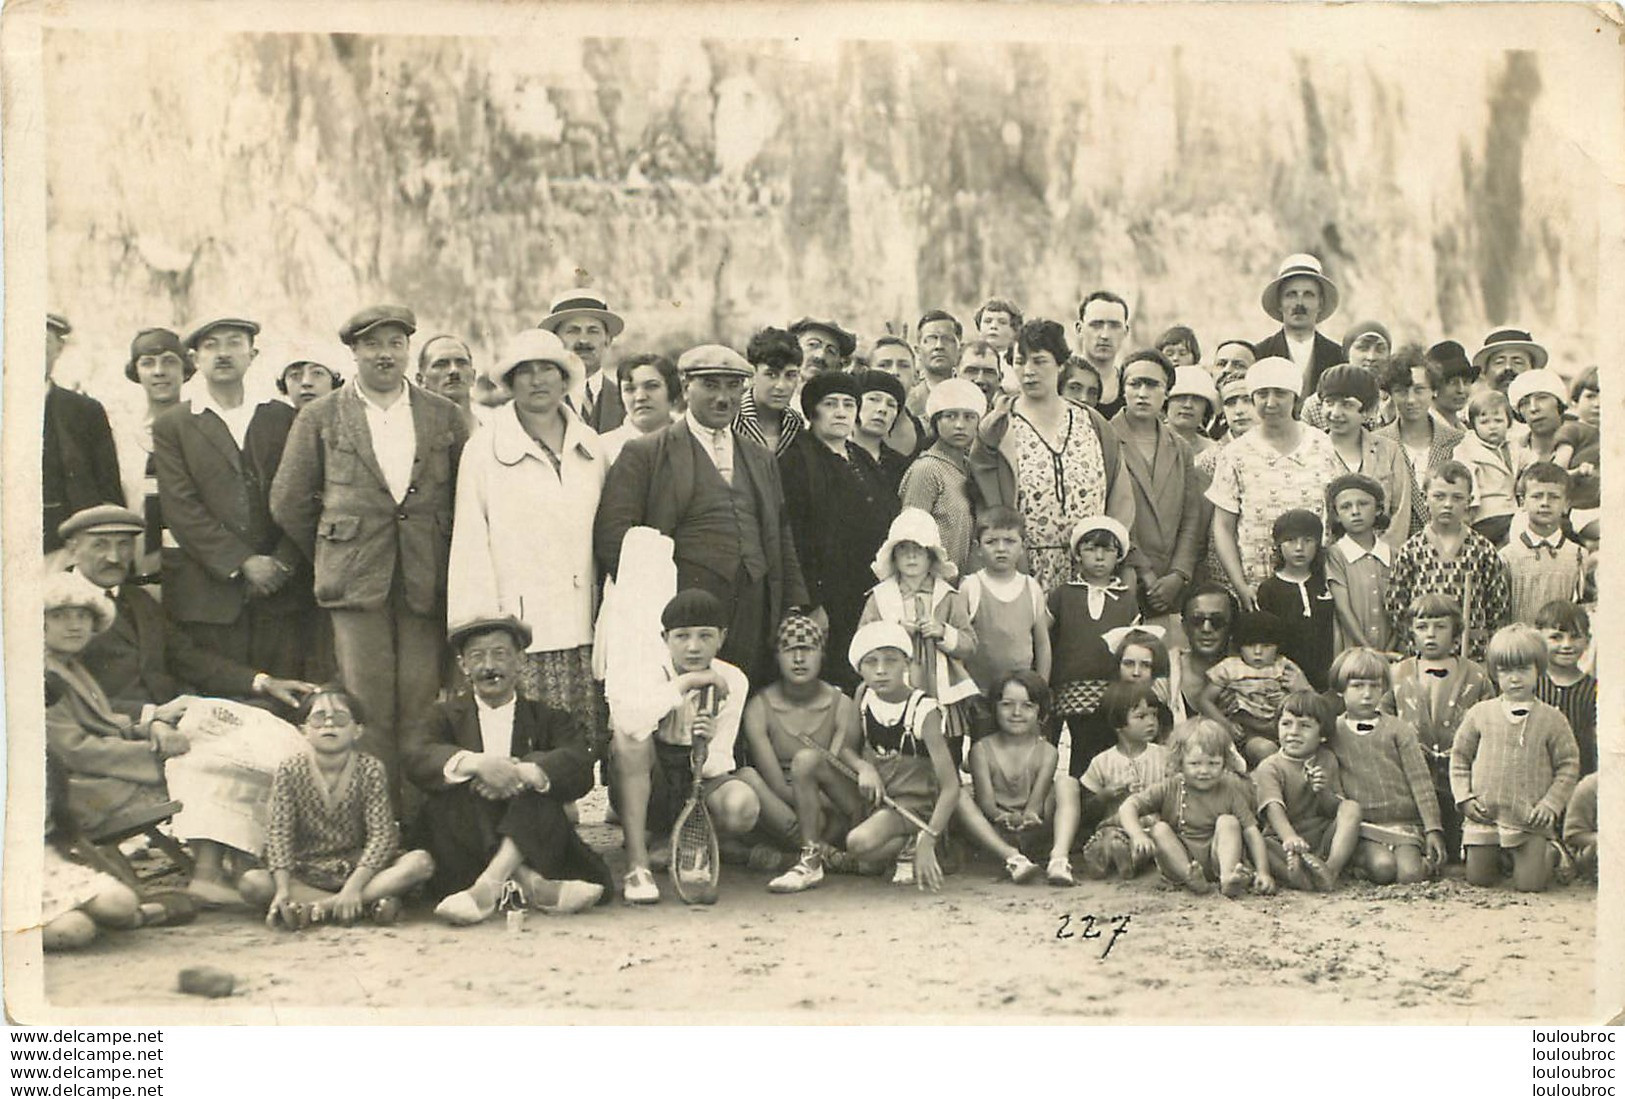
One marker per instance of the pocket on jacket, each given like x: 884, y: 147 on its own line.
x: 340, y: 528
x: 343, y: 464
x: 336, y: 549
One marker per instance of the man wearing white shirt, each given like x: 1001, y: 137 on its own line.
x: 365, y: 490
x: 718, y: 496
x: 497, y: 771
x: 584, y: 321
x: 1300, y: 297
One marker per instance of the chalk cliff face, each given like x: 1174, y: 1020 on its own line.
x: 710, y: 187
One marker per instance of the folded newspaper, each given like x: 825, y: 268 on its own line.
x: 224, y: 780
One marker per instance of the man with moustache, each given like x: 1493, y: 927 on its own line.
x: 825, y: 345
x: 717, y: 495
x: 1507, y: 352
x: 497, y: 772
x: 1300, y: 297
x: 981, y: 366
x: 160, y: 366
x: 79, y: 463
x: 365, y: 490
x: 583, y: 320
x: 233, y: 580
x: 1103, y: 329
x: 446, y: 368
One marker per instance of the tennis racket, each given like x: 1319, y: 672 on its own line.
x: 840, y: 765
x: 696, y: 861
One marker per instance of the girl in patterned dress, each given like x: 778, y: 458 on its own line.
x: 332, y: 846
x: 1101, y: 596
x: 1135, y: 762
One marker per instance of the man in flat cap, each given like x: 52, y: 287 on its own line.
x: 365, y: 490
x: 717, y: 494
x: 446, y: 368
x: 233, y: 580
x: 497, y: 772
x: 79, y: 464
x: 1300, y: 297
x: 159, y: 364
x: 825, y: 345
x: 147, y: 664
x: 583, y: 320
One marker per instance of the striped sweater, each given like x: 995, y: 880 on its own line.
x: 1384, y: 770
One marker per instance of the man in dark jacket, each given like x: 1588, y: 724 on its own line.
x: 79, y: 466
x: 235, y: 582
x: 1300, y: 297
x: 497, y: 771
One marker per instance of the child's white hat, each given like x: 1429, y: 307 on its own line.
x: 70, y: 589
x: 878, y: 635
x: 1101, y: 522
x: 1537, y: 381
x: 913, y: 525
x: 1114, y: 638
x: 1195, y: 381
x: 955, y: 394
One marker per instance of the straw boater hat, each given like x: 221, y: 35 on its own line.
x: 1301, y: 264
x: 1510, y: 339
x: 913, y: 525
x: 582, y: 303
x: 536, y: 345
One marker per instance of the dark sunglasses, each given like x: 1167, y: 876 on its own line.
x: 1209, y: 619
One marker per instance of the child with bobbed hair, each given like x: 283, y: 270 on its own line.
x: 1130, y: 710
x: 1383, y: 768
x: 1313, y: 828
x: 1244, y: 693
x: 1513, y: 768
x: 1358, y: 560
x: 1432, y: 691
x: 1493, y: 464
x: 1205, y: 828
x: 1566, y: 685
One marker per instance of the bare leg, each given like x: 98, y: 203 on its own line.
x: 1483, y: 865
x: 115, y: 906
x: 777, y: 820
x: 734, y: 808
x: 1345, y: 838
x: 1172, y: 858
x: 1228, y: 850
x: 1532, y: 865
x: 1378, y: 862
x: 1068, y: 812
x: 411, y: 869
x: 969, y: 818
x: 633, y: 761
x: 878, y: 840
x: 210, y: 882
x: 1409, y: 864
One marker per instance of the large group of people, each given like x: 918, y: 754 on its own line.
x: 1078, y: 601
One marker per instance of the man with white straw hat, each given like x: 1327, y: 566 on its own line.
x: 1507, y: 353
x: 583, y: 320
x: 1300, y: 297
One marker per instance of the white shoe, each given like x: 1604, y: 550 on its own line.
x: 806, y: 873
x: 576, y: 896
x: 465, y: 909
x: 1020, y: 868
x: 640, y: 888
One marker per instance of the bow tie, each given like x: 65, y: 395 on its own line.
x: 1112, y: 590
x: 1439, y: 673
x: 1538, y: 544
x: 1363, y: 726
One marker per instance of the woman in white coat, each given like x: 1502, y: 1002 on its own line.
x: 521, y: 542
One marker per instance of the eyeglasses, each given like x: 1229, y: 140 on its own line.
x: 331, y: 720
x: 1208, y: 619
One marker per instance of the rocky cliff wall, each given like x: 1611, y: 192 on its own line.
x: 711, y: 186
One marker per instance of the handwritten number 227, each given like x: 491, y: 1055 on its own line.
x: 1119, y: 927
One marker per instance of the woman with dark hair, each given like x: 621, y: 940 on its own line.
x: 1053, y: 461
x: 650, y: 393
x: 1411, y: 379
x: 839, y: 507
x: 880, y: 402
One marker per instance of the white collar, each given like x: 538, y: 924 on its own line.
x: 485, y: 707
x: 1353, y: 551
x: 1554, y: 539
x: 205, y: 402
x: 367, y: 398
x: 707, y: 433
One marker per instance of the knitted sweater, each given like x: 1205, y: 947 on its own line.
x: 1384, y: 770
x: 1510, y: 767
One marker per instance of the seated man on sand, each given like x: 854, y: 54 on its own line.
x: 497, y: 772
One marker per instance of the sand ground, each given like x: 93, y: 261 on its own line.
x: 863, y: 950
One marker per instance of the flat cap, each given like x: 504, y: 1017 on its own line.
x: 713, y: 358
x: 101, y: 519
x: 514, y: 628
x: 374, y: 315
x: 203, y: 329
